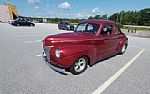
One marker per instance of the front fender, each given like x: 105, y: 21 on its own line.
x: 69, y: 54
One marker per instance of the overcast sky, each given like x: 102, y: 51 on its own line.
x: 75, y: 8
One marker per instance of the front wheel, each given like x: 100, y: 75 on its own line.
x: 79, y: 66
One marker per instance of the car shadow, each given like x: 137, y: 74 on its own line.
x: 104, y: 59
x: 67, y: 70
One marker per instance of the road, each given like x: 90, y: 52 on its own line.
x: 23, y: 71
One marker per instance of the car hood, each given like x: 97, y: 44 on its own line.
x: 69, y: 37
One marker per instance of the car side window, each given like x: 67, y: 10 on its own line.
x: 106, y: 30
x: 90, y: 28
x: 93, y: 28
x: 66, y: 23
x: 81, y: 27
x: 23, y: 20
x: 116, y: 30
x: 62, y: 23
x: 20, y: 20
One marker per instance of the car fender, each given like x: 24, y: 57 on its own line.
x: 121, y: 43
x: 72, y: 53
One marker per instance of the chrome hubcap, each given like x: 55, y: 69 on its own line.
x: 80, y: 65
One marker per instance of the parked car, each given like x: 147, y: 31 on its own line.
x: 11, y: 21
x: 65, y: 26
x: 92, y: 40
x: 22, y: 22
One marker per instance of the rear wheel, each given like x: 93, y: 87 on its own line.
x: 123, y: 49
x: 79, y: 66
x: 31, y: 25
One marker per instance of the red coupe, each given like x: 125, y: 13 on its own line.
x: 91, y: 41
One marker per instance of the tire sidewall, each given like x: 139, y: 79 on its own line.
x: 123, y: 49
x: 72, y: 70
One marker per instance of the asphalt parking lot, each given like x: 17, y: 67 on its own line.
x: 23, y: 71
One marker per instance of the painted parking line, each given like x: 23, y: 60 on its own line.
x: 33, y: 35
x: 29, y: 35
x: 116, y: 75
x: 40, y: 55
x: 138, y: 47
x: 36, y: 41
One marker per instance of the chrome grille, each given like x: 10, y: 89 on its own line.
x: 47, y: 52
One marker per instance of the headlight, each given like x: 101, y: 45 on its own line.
x: 57, y: 53
x: 68, y: 25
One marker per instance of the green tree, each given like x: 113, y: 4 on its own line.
x: 141, y: 17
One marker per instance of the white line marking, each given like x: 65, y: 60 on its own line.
x: 138, y: 47
x: 116, y: 75
x: 32, y: 35
x: 33, y: 41
x: 39, y: 55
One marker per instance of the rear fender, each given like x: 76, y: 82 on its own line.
x: 121, y: 43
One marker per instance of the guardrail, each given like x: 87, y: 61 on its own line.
x: 133, y: 26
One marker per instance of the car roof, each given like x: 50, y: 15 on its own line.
x: 98, y: 21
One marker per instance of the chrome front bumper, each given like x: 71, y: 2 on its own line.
x: 52, y: 66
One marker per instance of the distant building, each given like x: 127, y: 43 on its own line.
x: 8, y: 12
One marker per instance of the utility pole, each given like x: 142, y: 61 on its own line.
x: 121, y: 18
x: 137, y: 19
x: 117, y: 18
x: 70, y: 13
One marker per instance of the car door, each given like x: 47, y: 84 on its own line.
x: 21, y: 22
x: 27, y: 23
x: 24, y: 22
x: 104, y: 42
x: 62, y: 25
x: 117, y: 36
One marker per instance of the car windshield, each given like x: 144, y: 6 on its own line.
x: 67, y: 23
x: 87, y: 28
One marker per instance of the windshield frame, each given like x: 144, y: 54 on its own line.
x: 86, y: 27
